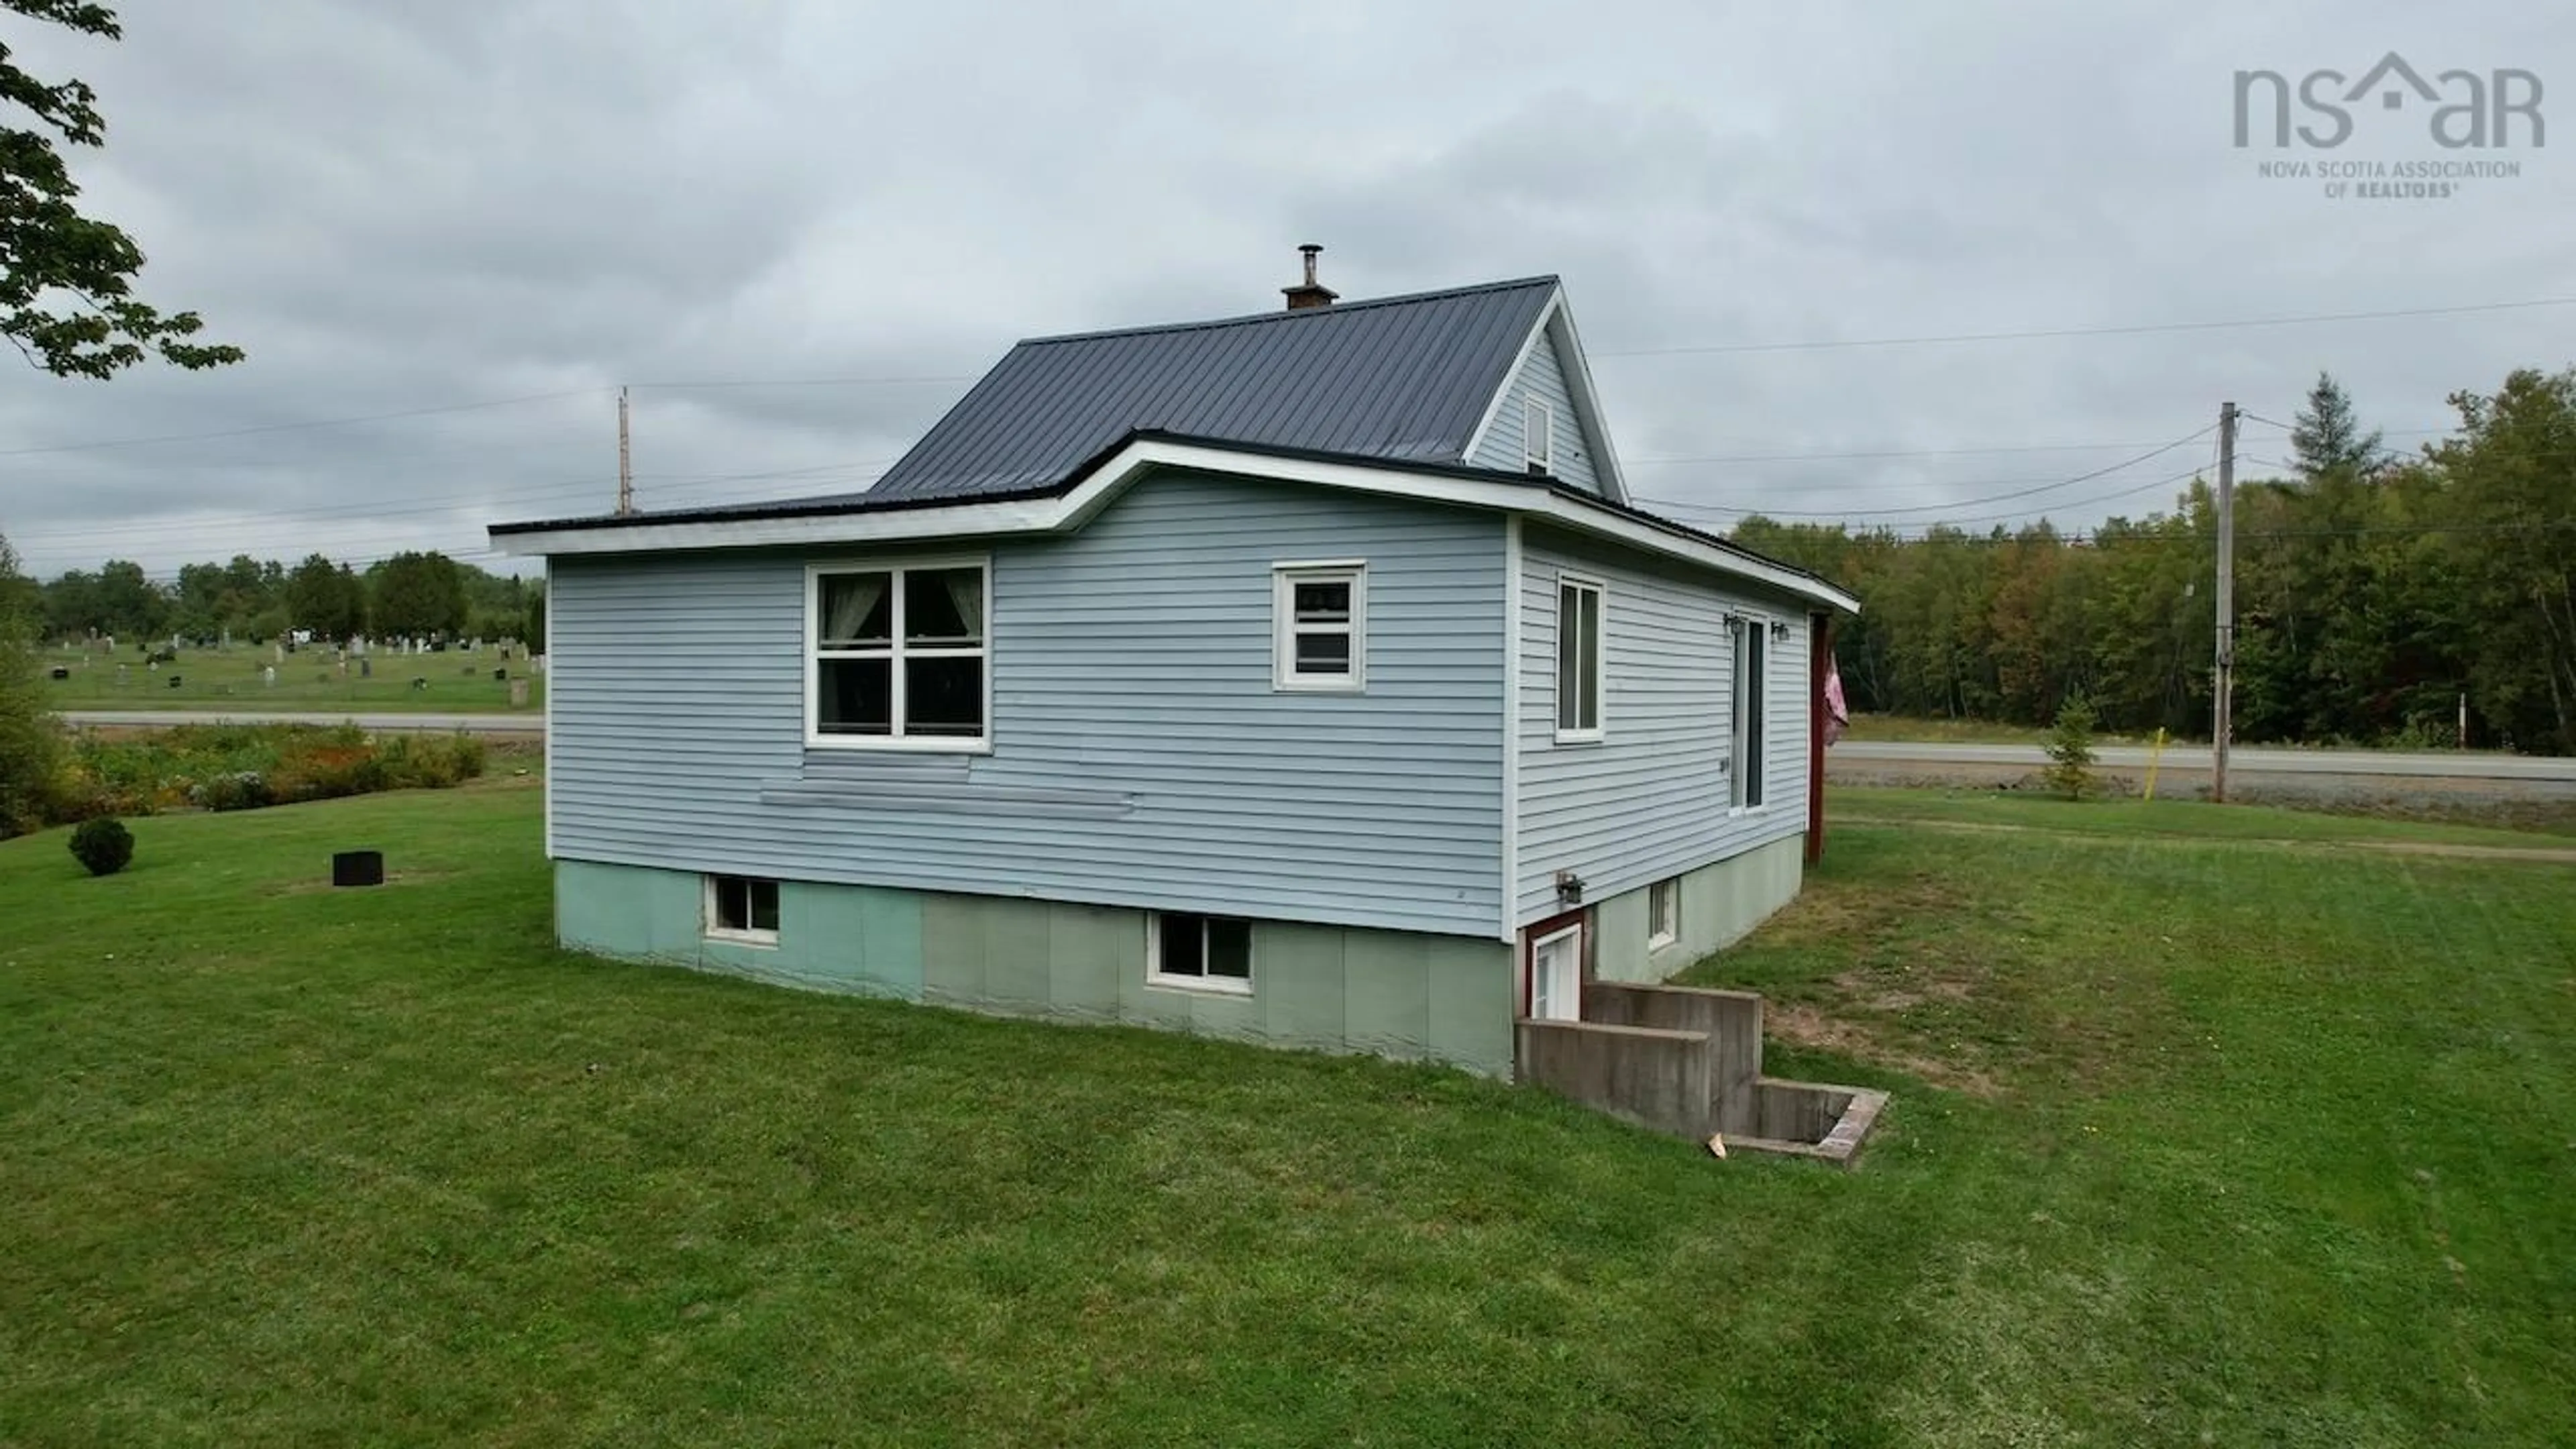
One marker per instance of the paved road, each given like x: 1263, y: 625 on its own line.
x: 2245, y: 761
x: 531, y: 723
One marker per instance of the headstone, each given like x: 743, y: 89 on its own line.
x: 151, y: 666
x: 279, y: 651
x: 518, y: 694
x: 420, y: 681
x: 366, y: 668
x: 499, y: 675
x: 61, y: 673
x: 268, y: 676
x: 174, y: 681
x: 358, y: 868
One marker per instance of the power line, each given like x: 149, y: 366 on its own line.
x: 2130, y: 329
x: 1951, y: 503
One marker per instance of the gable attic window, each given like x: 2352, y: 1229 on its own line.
x: 1319, y: 626
x: 1578, y: 659
x: 1538, y: 435
x: 897, y: 657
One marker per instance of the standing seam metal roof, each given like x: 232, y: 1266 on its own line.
x: 1394, y: 377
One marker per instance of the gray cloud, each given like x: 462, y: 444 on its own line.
x: 402, y: 206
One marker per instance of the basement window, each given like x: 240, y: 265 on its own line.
x: 741, y: 908
x: 1198, y: 953
x: 1663, y: 914
x: 1319, y: 622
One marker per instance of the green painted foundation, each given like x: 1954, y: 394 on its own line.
x: 1327, y: 988
x: 1720, y: 905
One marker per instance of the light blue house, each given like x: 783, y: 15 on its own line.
x: 1303, y: 677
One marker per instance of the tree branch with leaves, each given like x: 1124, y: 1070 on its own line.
x: 67, y: 298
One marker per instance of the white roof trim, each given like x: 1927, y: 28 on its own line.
x: 1064, y: 512
x: 1512, y: 374
x: 1556, y: 323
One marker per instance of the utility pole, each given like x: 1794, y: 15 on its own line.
x: 2222, y: 709
x: 625, y: 468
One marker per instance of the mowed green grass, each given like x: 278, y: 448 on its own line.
x: 308, y: 679
x: 2193, y: 1142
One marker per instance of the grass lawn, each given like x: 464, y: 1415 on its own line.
x: 308, y: 679
x: 1915, y: 729
x: 2195, y: 1141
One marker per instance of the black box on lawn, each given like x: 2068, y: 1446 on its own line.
x: 358, y: 868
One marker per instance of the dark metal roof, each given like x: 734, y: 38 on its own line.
x: 875, y: 501
x: 1399, y: 378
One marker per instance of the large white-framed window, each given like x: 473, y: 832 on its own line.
x: 1191, y: 952
x: 1752, y: 636
x: 1538, y: 435
x: 1319, y: 626
x: 742, y: 909
x: 898, y: 656
x: 1663, y: 913
x: 1578, y: 658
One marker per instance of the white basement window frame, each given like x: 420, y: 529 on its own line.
x: 1538, y: 434
x: 1663, y: 913
x: 741, y: 909
x: 1193, y: 951
x: 1319, y: 626
x: 892, y: 646
x: 1582, y: 615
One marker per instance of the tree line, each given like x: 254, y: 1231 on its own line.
x: 421, y: 595
x: 2374, y: 593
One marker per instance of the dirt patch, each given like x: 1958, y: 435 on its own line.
x: 1802, y: 1025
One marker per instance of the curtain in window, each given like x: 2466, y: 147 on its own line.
x: 849, y: 599
x: 966, y: 591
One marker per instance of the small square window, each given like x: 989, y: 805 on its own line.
x: 741, y: 908
x: 1203, y: 953
x: 1319, y: 627
x: 1663, y: 914
x: 1538, y: 435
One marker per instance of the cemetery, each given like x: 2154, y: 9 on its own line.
x: 465, y: 676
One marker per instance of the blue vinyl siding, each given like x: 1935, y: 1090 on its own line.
x: 1648, y: 800
x: 1140, y: 756
x: 1542, y: 375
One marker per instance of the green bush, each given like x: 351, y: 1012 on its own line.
x: 103, y: 845
x: 237, y: 790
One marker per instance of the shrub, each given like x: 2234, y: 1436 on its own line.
x: 237, y: 790
x: 103, y: 845
x: 2070, y: 748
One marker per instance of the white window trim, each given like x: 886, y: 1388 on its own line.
x: 1539, y: 947
x: 1202, y: 985
x: 815, y: 738
x: 1660, y: 934
x: 1544, y: 455
x: 747, y: 936
x: 1600, y: 653
x: 1737, y: 778
x: 1284, y: 578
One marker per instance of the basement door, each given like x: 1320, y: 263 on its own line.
x: 1556, y: 975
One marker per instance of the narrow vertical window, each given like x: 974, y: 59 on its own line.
x: 1578, y: 659
x: 1663, y: 913
x: 1319, y: 634
x: 1538, y: 435
x: 1744, y: 776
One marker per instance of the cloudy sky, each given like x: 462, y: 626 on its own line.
x: 447, y: 231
